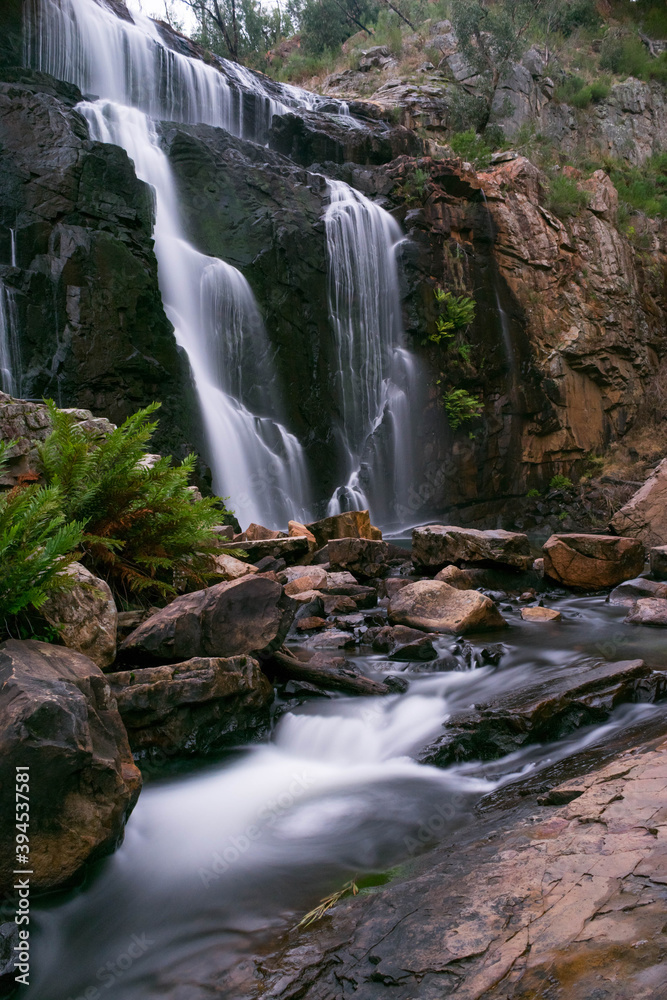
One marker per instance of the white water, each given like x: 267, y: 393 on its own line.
x: 9, y: 342
x: 254, y: 459
x: 12, y: 237
x: 376, y: 383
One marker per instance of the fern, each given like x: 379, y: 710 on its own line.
x: 142, y: 526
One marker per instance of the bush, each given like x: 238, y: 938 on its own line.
x: 142, y: 525
x: 568, y: 18
x: 644, y: 188
x: 532, y: 494
x: 625, y: 55
x: 564, y: 197
x: 460, y: 407
x: 456, y: 313
x: 575, y: 91
x: 36, y: 543
x: 560, y: 482
x: 471, y: 147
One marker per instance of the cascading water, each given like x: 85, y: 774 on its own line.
x: 376, y: 382
x: 9, y: 342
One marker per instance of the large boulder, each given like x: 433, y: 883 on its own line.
x: 85, y: 615
x: 434, y: 606
x: 351, y: 524
x: 247, y: 616
x: 438, y: 545
x: 230, y: 568
x: 363, y: 557
x: 645, y: 515
x: 588, y: 562
x: 59, y: 718
x: 193, y: 707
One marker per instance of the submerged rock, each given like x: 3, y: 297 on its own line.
x: 247, y: 616
x: 85, y: 615
x: 193, y: 707
x: 434, y: 606
x: 438, y: 545
x: 59, y: 718
x: 589, y: 562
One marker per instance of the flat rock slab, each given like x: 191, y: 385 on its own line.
x: 658, y: 561
x: 59, y: 718
x: 438, y: 545
x: 649, y: 611
x: 433, y: 606
x: 193, y: 707
x: 247, y: 616
x: 591, y: 562
x: 545, y: 711
x: 540, y: 615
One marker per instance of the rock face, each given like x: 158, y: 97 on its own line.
x: 645, y: 515
x: 589, y: 562
x: 247, y: 616
x: 193, y: 707
x: 436, y: 607
x: 86, y: 616
x: 360, y: 556
x: 60, y: 719
x: 439, y: 545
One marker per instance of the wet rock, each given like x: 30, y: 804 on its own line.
x: 193, y: 707
x: 434, y: 606
x: 645, y: 514
x: 289, y: 549
x: 230, y: 568
x: 59, y: 718
x: 402, y: 643
x: 309, y: 137
x: 658, y: 562
x: 540, y: 615
x: 629, y: 592
x: 85, y: 615
x: 247, y: 616
x: 437, y: 545
x: 351, y: 524
x: 333, y: 673
x: 589, y: 562
x: 363, y: 597
x: 363, y: 557
x: 9, y: 940
x: 649, y: 611
x: 545, y: 712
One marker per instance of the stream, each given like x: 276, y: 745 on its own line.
x: 221, y: 855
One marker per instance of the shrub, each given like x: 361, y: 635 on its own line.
x: 532, y: 494
x: 460, y: 406
x: 36, y: 543
x: 560, y: 482
x: 575, y: 91
x: 456, y: 313
x: 624, y: 54
x: 471, y: 147
x: 644, y: 188
x: 564, y: 197
x: 142, y: 524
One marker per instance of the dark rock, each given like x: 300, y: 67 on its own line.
x: 351, y: 524
x: 310, y: 138
x: 59, y: 719
x: 363, y: 597
x: 289, y: 549
x: 403, y: 643
x: 545, y: 712
x: 437, y: 545
x: 247, y: 616
x: 9, y: 939
x: 361, y: 556
x: 658, y: 561
x: 193, y: 707
x: 269, y: 564
x: 589, y: 562
x: 312, y: 622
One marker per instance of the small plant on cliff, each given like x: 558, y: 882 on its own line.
x: 36, y: 542
x: 455, y: 312
x: 564, y: 198
x: 472, y: 148
x: 143, y: 526
x: 560, y: 482
x: 460, y: 407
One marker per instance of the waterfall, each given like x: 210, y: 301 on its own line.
x: 9, y: 342
x: 253, y: 458
x: 376, y: 383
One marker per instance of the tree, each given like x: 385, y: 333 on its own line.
x: 325, y: 24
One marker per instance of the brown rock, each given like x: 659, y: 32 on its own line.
x: 540, y: 615
x: 297, y: 530
x: 247, y: 616
x: 392, y: 584
x: 645, y: 515
x: 456, y: 577
x: 629, y: 592
x: 314, y: 576
x: 314, y: 622
x: 438, y: 545
x: 300, y: 584
x: 85, y: 615
x: 289, y: 549
x: 361, y: 556
x: 649, y: 611
x: 434, y: 606
x: 589, y: 562
x: 193, y: 707
x: 230, y: 568
x: 658, y: 562
x: 375, y: 533
x: 258, y: 533
x: 351, y: 524
x: 342, y: 579
x: 403, y: 643
x: 59, y: 718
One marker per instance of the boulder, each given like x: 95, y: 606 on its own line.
x: 247, y: 616
x: 85, y: 615
x: 230, y: 568
x: 658, y: 561
x: 342, y: 579
x: 351, y: 524
x: 392, y: 584
x: 300, y: 584
x: 632, y: 590
x: 433, y: 606
x: 438, y: 545
x: 588, y: 562
x: 402, y: 643
x: 540, y: 615
x: 649, y: 611
x: 59, y: 718
x: 289, y: 549
x: 315, y: 576
x: 644, y: 516
x: 297, y: 530
x: 258, y: 533
x: 456, y: 577
x: 363, y: 557
x: 193, y: 707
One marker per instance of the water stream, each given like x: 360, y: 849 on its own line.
x: 10, y: 358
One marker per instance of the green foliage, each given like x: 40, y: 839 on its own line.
x: 36, y: 543
x: 471, y: 147
x: 644, y: 188
x: 568, y: 16
x: 532, y: 494
x: 624, y: 54
x: 573, y: 90
x: 563, y: 515
x: 456, y: 312
x: 300, y: 66
x: 564, y: 198
x: 460, y: 407
x: 142, y: 525
x: 560, y: 482
x: 325, y: 24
